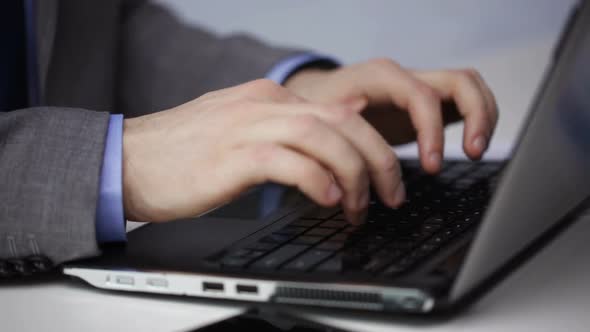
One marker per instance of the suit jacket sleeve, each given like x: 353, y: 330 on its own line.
x: 166, y: 62
x: 50, y: 160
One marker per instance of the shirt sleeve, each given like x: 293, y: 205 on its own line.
x: 110, y: 220
x: 288, y: 66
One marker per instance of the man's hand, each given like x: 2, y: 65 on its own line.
x: 184, y: 161
x: 404, y: 104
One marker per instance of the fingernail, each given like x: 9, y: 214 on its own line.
x: 400, y: 195
x: 334, y: 193
x: 480, y: 143
x: 435, y: 158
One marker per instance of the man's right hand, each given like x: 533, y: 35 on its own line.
x: 184, y: 161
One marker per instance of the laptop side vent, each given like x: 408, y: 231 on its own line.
x: 332, y: 298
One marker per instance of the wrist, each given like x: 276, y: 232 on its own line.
x: 129, y: 131
x: 303, y: 82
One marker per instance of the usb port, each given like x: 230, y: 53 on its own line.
x: 212, y: 286
x: 247, y: 289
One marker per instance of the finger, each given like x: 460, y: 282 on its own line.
x: 260, y: 163
x: 387, y: 83
x: 461, y: 87
x: 491, y: 103
x: 308, y: 134
x: 383, y: 165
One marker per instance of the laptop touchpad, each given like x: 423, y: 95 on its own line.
x: 184, y: 244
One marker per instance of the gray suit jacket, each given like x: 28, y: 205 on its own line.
x: 98, y: 57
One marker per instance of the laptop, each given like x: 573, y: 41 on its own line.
x: 459, y: 232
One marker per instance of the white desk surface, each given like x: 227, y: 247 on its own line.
x: 549, y: 293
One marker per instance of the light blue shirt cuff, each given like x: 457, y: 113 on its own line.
x: 285, y: 68
x: 110, y: 218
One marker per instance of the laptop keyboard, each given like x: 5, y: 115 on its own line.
x: 392, y: 241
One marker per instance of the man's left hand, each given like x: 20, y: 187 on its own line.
x: 406, y: 105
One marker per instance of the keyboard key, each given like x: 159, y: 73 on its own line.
x: 330, y: 246
x: 436, y: 240
x: 276, y: 238
x: 307, y: 260
x: 339, y: 237
x: 383, y: 215
x: 321, y: 213
x: 462, y: 184
x: 261, y: 246
x: 377, y: 263
x: 377, y: 238
x: 334, y: 224
x: 428, y: 247
x: 366, y: 247
x: 305, y: 222
x: 320, y: 231
x: 339, y: 216
x: 307, y: 240
x: 291, y: 230
x: 418, y: 236
x: 407, y: 261
x: 461, y: 167
x: 394, y: 270
x: 435, y: 220
x: 331, y: 265
x: 254, y: 254
x: 350, y: 229
x: 354, y: 259
x: 447, y: 234
x: 278, y: 257
x: 234, y: 262
x: 430, y: 228
x: 240, y: 252
x: 400, y: 244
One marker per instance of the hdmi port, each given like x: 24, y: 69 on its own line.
x: 247, y: 289
x: 212, y: 286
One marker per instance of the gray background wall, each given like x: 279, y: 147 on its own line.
x: 509, y: 41
x: 415, y: 32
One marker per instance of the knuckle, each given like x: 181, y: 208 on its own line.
x: 355, y: 167
x: 263, y: 153
x: 471, y: 72
x: 341, y: 115
x: 264, y: 86
x: 304, y: 125
x: 383, y: 62
x: 466, y: 76
x: 423, y: 91
x: 292, y: 98
x: 311, y: 173
x: 389, y: 164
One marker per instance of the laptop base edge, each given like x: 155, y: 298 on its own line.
x: 312, y: 294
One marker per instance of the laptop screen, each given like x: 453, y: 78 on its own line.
x: 549, y: 175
